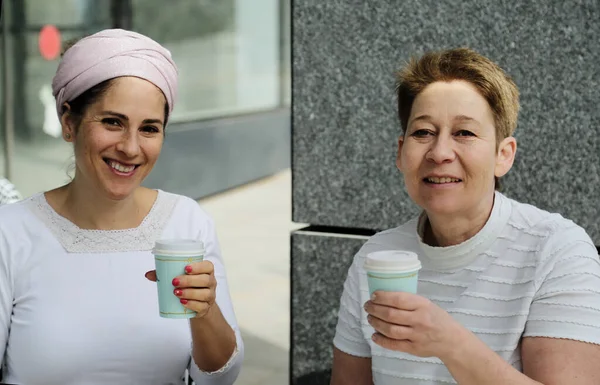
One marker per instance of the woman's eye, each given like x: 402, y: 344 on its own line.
x: 465, y: 133
x: 421, y: 133
x: 111, y: 122
x: 151, y: 129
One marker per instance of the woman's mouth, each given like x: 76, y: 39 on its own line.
x: 441, y: 180
x: 121, y: 168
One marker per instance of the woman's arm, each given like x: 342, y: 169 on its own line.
x: 548, y: 361
x: 214, y: 341
x: 218, y: 349
x: 351, y: 352
x: 561, y: 340
x: 554, y: 361
x: 430, y: 331
x: 217, y: 346
x: 410, y: 323
x: 472, y: 362
x: 349, y: 369
x: 6, y: 297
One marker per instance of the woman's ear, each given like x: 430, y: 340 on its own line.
x: 66, y: 122
x: 505, y: 156
x: 399, y: 154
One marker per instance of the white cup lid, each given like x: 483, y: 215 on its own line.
x: 179, y: 246
x: 392, y: 261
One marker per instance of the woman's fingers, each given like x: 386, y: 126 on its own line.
x: 151, y: 275
x: 390, y: 330
x: 195, y: 281
x: 204, y: 267
x: 199, y: 295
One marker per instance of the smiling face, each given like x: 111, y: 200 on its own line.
x: 119, y: 137
x: 449, y: 154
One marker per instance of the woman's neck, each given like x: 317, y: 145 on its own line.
x: 89, y: 209
x: 450, y: 230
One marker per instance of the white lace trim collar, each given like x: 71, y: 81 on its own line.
x: 78, y: 240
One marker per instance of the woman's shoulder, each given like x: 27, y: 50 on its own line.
x: 537, y: 221
x: 13, y: 215
x: 550, y: 234
x: 17, y: 223
x: 185, y: 208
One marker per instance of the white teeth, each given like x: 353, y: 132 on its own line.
x: 442, y: 180
x: 119, y: 167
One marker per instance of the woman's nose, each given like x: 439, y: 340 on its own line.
x: 441, y: 150
x: 129, y: 145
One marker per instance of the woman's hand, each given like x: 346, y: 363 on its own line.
x: 196, y: 289
x: 412, y: 324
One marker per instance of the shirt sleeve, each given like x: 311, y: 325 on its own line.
x: 230, y: 371
x: 567, y: 300
x: 349, y: 337
x: 8, y: 192
x: 6, y: 296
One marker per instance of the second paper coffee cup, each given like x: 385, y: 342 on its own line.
x: 392, y: 270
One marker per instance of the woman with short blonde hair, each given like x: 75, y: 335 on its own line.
x: 508, y: 293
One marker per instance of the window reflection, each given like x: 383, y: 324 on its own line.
x: 227, y: 52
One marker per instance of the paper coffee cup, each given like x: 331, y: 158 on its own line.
x: 171, y: 256
x: 392, y: 270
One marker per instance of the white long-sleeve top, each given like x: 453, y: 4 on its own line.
x: 527, y: 273
x: 75, y: 307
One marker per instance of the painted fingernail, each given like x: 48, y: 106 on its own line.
x: 178, y: 292
x: 183, y: 301
x: 188, y: 269
x: 175, y: 282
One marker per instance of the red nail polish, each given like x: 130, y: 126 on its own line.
x: 175, y: 282
x: 178, y: 292
x: 188, y: 269
x: 183, y: 301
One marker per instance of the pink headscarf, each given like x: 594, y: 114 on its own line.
x: 109, y: 54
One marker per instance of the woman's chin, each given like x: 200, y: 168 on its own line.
x: 118, y: 193
x: 441, y: 205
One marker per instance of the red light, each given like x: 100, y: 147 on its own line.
x: 49, y: 42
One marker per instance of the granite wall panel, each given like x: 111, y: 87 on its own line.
x: 320, y: 262
x: 344, y: 122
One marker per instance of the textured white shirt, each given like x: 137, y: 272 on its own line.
x: 75, y: 307
x: 527, y: 273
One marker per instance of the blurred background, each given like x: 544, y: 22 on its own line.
x: 228, y: 140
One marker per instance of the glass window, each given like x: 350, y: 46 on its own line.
x: 40, y: 156
x: 227, y: 51
x: 229, y: 54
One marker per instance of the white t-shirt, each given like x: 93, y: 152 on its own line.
x: 527, y: 273
x: 75, y: 307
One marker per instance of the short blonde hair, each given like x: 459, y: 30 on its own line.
x: 491, y: 81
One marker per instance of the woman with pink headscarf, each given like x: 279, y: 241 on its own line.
x: 77, y: 305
